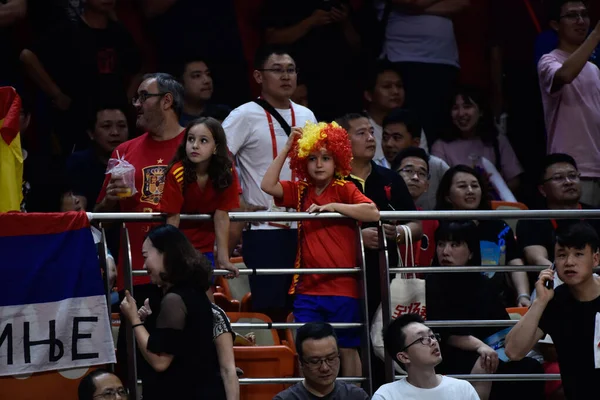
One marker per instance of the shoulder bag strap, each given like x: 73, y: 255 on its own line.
x: 271, y: 110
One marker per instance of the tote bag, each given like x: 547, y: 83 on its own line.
x: 407, y: 295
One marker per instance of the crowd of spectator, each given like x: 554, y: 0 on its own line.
x: 427, y: 105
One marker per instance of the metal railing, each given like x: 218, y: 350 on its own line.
x: 385, y: 271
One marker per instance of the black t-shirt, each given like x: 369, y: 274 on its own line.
x: 184, y: 329
x: 541, y: 232
x: 388, y: 191
x: 463, y: 296
x: 88, y: 63
x: 572, y: 325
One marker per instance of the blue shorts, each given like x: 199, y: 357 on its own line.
x: 211, y: 257
x: 309, y: 308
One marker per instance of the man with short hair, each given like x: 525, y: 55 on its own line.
x: 101, y: 384
x: 386, y: 189
x: 571, y: 93
x: 383, y: 92
x: 416, y: 349
x: 197, y: 81
x: 319, y: 357
x: 389, y: 193
x: 256, y: 132
x: 401, y: 130
x: 158, y: 103
x: 570, y: 313
x: 560, y: 185
x: 412, y: 164
x: 107, y: 128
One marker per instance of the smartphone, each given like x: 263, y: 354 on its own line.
x: 550, y: 284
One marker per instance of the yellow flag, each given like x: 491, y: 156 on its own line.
x: 11, y: 155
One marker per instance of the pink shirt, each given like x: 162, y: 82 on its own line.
x: 572, y: 113
x: 459, y: 151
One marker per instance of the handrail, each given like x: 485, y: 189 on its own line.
x: 470, y: 378
x: 355, y: 379
x: 281, y: 271
x: 383, y: 265
x: 385, y: 215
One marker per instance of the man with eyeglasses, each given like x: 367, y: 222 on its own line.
x: 101, y: 385
x: 560, y: 185
x: 319, y: 357
x: 401, y: 130
x: 158, y: 103
x: 412, y: 164
x: 571, y: 93
x: 416, y: 349
x: 256, y: 132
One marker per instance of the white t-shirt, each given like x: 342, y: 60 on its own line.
x: 448, y: 389
x: 249, y: 140
x: 418, y: 38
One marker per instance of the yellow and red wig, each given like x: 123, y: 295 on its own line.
x: 315, y: 137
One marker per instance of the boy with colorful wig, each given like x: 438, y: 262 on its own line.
x: 320, y: 156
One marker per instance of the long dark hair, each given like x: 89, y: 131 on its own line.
x: 446, y: 183
x: 460, y: 232
x: 184, y: 265
x: 485, y: 129
x: 220, y: 169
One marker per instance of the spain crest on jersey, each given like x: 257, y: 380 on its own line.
x: 153, y: 183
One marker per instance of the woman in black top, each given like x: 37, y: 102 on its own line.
x: 472, y: 296
x: 180, y: 349
x: 462, y: 188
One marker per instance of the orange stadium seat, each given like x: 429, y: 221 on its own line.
x: 517, y: 310
x: 264, y: 362
x: 264, y: 337
x: 227, y: 304
x: 509, y: 205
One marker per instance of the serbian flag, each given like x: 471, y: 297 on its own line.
x: 11, y: 155
x: 53, y: 312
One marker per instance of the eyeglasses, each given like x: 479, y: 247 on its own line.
x: 561, y: 178
x: 316, y: 363
x: 410, y: 172
x: 143, y: 96
x: 574, y: 16
x: 111, y: 394
x: 425, y: 340
x: 281, y: 71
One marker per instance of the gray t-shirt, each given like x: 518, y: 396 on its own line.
x: 342, y: 391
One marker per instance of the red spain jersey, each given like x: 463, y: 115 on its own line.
x: 325, y: 243
x: 150, y: 159
x: 194, y: 200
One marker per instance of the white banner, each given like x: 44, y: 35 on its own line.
x: 46, y: 336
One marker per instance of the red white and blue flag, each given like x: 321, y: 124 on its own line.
x: 53, y: 312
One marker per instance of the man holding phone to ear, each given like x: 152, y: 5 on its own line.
x: 570, y: 314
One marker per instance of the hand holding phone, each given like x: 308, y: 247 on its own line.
x: 544, y: 286
x: 550, y: 283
